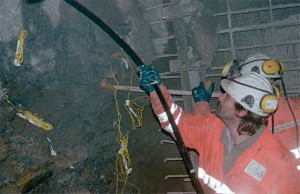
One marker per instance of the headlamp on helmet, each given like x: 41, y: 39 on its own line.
x: 259, y: 63
x: 232, y: 69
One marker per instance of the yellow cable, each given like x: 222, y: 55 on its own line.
x: 134, y: 110
x: 10, y: 103
x: 11, y: 12
x: 131, y: 70
x: 119, y: 137
x: 32, y: 118
x: 35, y: 120
x: 125, y: 152
x: 20, y: 47
x: 19, y: 57
x: 123, y: 161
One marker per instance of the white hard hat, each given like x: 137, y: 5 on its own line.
x: 253, y: 92
x: 262, y: 64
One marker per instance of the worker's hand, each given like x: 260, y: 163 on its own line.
x: 202, y: 93
x: 148, y: 77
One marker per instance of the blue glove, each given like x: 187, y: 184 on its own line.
x: 148, y: 77
x: 201, y: 94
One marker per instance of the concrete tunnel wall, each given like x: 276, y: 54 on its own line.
x: 66, y: 56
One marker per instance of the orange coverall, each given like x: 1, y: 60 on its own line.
x: 261, y: 164
x: 284, y: 124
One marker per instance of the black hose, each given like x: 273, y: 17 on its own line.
x: 292, y: 112
x: 113, y: 34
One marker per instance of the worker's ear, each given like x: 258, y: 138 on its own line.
x: 241, y: 113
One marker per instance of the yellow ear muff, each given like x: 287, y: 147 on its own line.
x: 271, y: 67
x: 269, y: 103
x: 226, y: 68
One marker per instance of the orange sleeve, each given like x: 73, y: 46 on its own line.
x: 156, y: 103
x: 161, y: 113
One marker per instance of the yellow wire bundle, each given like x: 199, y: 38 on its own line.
x: 123, y: 161
x: 32, y: 118
x: 20, y: 48
x: 19, y: 57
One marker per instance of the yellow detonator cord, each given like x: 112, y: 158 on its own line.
x: 134, y: 110
x: 19, y: 57
x: 123, y: 161
x: 32, y: 118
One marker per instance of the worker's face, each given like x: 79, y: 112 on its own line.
x: 226, y: 108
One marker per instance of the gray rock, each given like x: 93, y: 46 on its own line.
x: 3, y: 149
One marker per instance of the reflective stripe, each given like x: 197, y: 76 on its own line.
x: 286, y: 125
x: 169, y: 127
x: 297, y: 155
x: 213, y: 183
x: 296, y: 152
x: 163, y: 117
